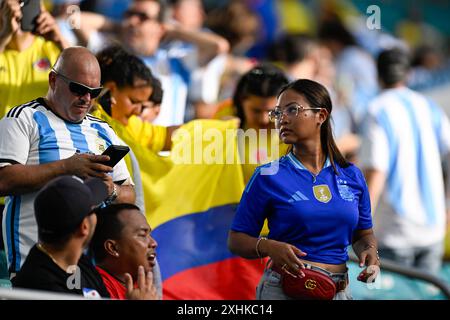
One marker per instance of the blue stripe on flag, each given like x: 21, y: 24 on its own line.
x: 201, y: 238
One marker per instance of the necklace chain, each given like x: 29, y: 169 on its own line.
x: 41, y: 247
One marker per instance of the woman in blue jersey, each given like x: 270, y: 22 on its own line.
x: 316, y: 203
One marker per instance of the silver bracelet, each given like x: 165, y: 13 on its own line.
x: 257, y: 245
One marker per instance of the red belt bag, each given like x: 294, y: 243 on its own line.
x: 315, y: 285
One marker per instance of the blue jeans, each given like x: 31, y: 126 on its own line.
x: 269, y: 287
x: 427, y: 259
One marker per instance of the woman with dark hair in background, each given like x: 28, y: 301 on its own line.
x: 254, y: 96
x: 316, y: 204
x: 130, y: 85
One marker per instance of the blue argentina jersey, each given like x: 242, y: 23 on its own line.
x: 317, y: 214
x: 31, y: 134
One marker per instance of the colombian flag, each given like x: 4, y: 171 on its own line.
x: 190, y: 202
x: 191, y: 213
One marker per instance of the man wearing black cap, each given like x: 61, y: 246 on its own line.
x: 66, y: 219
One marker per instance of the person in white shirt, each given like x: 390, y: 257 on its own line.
x: 405, y: 141
x: 53, y: 136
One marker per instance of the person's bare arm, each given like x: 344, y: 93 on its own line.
x: 209, y: 44
x: 10, y: 15
x: 366, y: 249
x: 281, y: 253
x: 19, y: 179
x: 126, y: 194
x: 375, y: 183
x: 47, y: 27
x: 168, y: 143
x: 92, y: 22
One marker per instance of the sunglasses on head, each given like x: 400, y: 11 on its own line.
x: 79, y: 89
x: 141, y: 15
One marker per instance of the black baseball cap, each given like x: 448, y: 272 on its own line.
x: 65, y: 201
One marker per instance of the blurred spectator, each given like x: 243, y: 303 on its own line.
x: 416, y: 32
x: 254, y: 97
x: 124, y: 249
x: 205, y: 80
x: 141, y: 32
x: 298, y: 54
x: 129, y: 82
x: 53, y: 136
x: 67, y: 18
x: 406, y: 139
x: 430, y: 74
x: 355, y: 69
x: 25, y: 57
x: 151, y: 109
x: 239, y: 26
x: 66, y: 219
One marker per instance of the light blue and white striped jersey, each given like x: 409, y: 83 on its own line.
x: 31, y: 134
x: 173, y: 68
x: 406, y: 136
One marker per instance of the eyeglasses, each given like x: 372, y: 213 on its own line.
x: 79, y: 89
x: 292, y: 110
x: 141, y: 15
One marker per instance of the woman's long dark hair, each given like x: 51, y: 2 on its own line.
x: 318, y: 97
x: 264, y: 80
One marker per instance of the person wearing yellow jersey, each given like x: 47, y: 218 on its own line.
x: 129, y: 82
x: 25, y: 57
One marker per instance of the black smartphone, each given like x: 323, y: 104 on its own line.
x: 31, y: 9
x: 115, y: 153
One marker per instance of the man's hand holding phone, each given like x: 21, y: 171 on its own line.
x: 86, y: 165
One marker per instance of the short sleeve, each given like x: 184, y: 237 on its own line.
x: 364, y: 208
x: 16, y: 135
x: 374, y: 150
x: 252, y: 209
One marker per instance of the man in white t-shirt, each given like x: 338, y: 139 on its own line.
x: 53, y: 136
x: 406, y: 139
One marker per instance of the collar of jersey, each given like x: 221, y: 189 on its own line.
x: 300, y: 165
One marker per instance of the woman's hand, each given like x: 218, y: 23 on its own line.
x: 284, y: 255
x: 369, y: 257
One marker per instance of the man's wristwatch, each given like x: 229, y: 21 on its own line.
x: 112, y: 196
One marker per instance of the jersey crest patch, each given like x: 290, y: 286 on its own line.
x: 42, y: 64
x: 322, y: 193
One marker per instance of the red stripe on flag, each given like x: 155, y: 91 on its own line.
x: 231, y: 279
